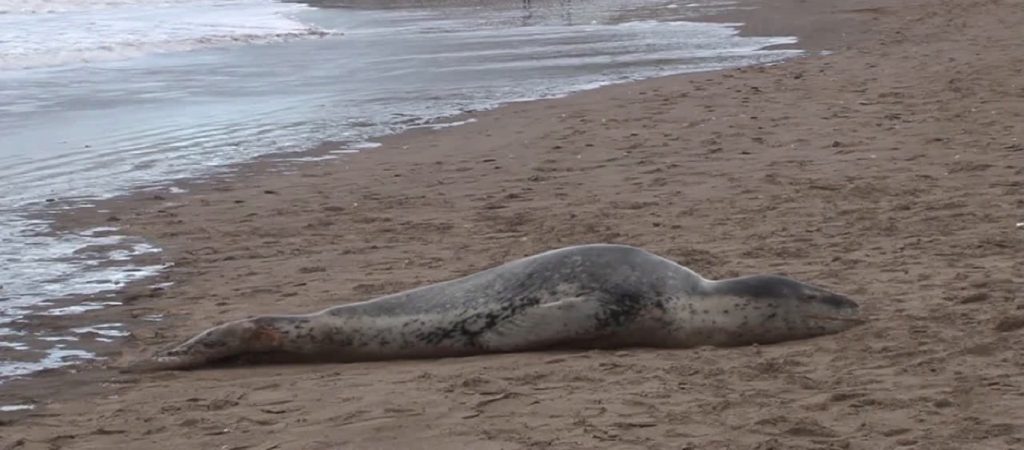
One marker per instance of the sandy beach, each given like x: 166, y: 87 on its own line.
x: 890, y: 168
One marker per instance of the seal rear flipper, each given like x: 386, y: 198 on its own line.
x: 158, y: 363
x: 562, y: 322
x: 215, y: 344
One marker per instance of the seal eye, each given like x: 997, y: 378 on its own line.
x: 810, y: 297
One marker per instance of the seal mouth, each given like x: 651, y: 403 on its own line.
x: 851, y: 320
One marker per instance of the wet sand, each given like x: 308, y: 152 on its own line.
x: 891, y: 170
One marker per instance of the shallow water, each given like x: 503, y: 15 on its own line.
x: 261, y: 78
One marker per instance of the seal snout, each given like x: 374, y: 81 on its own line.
x: 837, y: 310
x: 841, y: 302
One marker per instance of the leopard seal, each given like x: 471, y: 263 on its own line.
x: 587, y: 296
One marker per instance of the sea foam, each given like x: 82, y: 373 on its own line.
x: 45, y: 34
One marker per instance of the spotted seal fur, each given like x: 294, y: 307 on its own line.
x: 588, y: 296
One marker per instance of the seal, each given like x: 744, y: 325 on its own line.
x: 587, y: 296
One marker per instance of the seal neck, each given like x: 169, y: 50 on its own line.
x: 750, y: 286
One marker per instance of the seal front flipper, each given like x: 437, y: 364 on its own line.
x: 561, y: 322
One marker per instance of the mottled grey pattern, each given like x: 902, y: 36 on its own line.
x: 586, y: 296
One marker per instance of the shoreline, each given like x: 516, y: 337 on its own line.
x: 799, y: 186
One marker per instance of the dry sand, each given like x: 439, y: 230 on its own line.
x: 891, y: 170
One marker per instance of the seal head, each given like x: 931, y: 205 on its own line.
x: 778, y: 309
